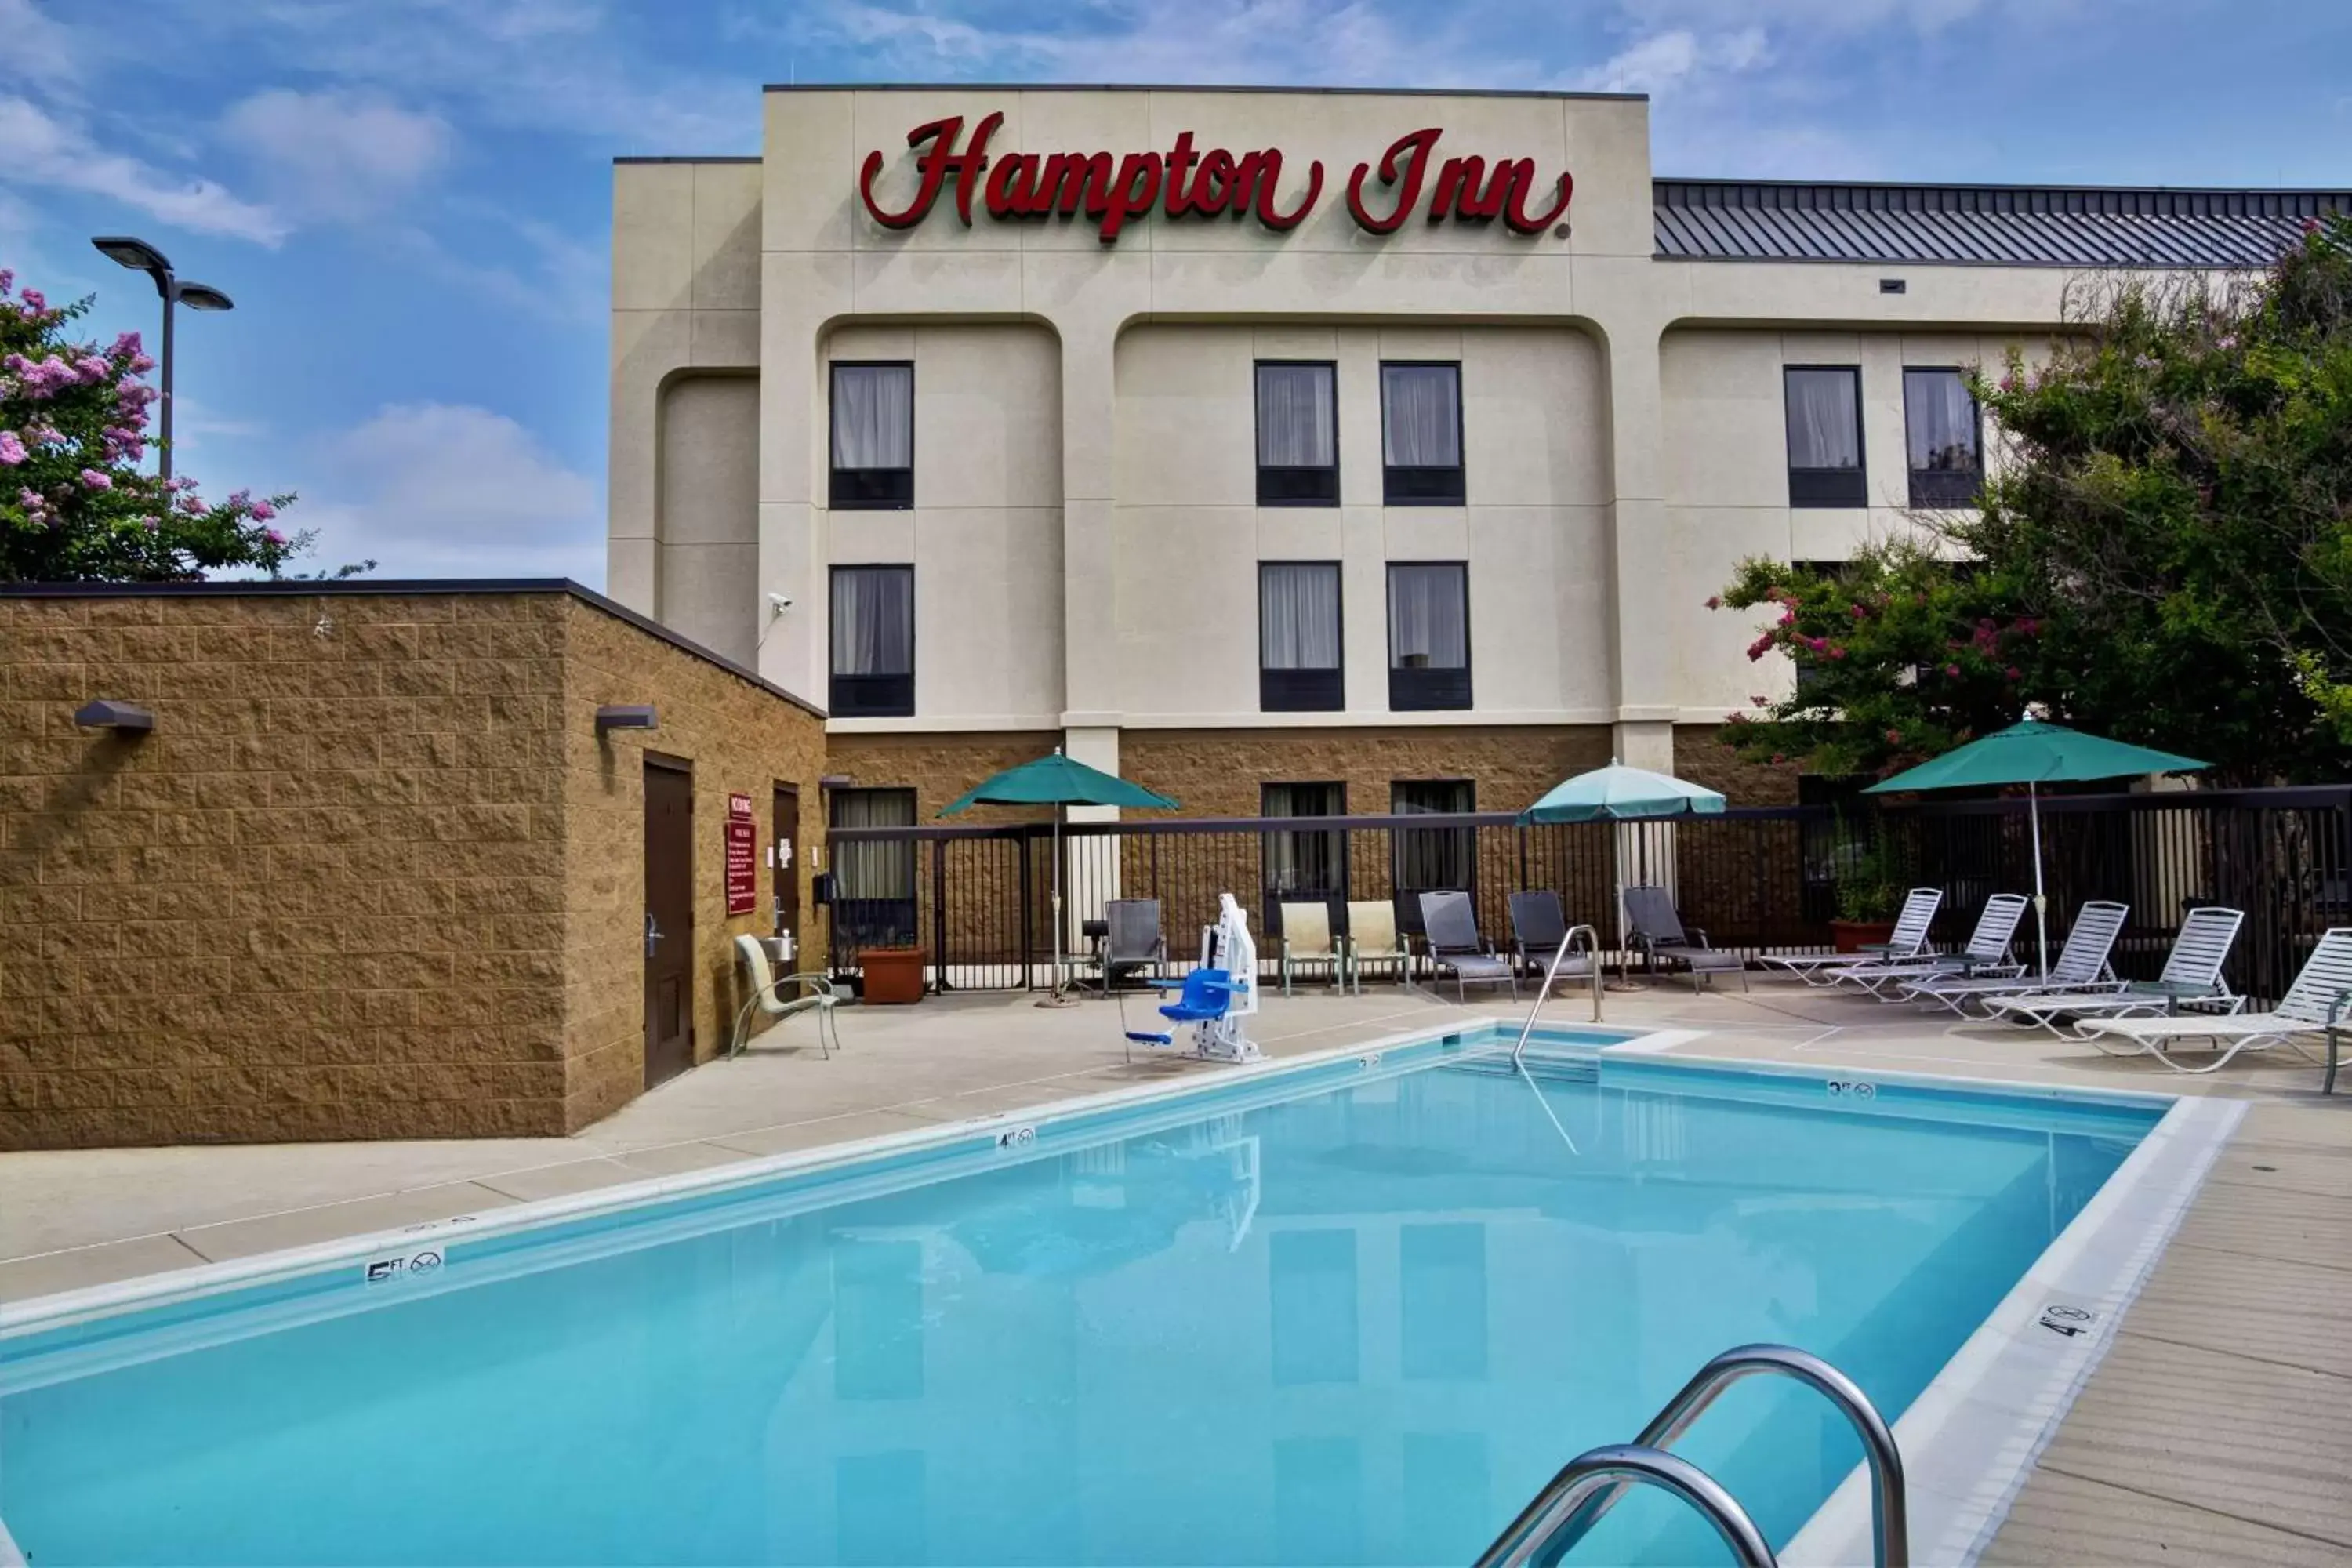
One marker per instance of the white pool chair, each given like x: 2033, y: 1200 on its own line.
x: 2082, y: 965
x: 1372, y: 939
x: 766, y: 994
x: 2191, y: 977
x: 1907, y: 941
x: 1306, y: 941
x: 1986, y: 953
x: 2315, y: 1003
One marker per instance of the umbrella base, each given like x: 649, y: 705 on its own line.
x: 1058, y: 999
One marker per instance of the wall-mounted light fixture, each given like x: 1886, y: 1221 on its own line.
x: 834, y: 780
x: 625, y: 716
x: 123, y: 718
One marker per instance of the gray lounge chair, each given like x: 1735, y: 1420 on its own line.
x: 1987, y: 951
x: 2081, y: 968
x: 1132, y: 940
x: 1908, y: 941
x: 2191, y: 977
x: 1451, y: 930
x: 1655, y: 927
x: 1538, y: 928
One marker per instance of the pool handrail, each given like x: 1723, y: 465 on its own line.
x: 1599, y: 1476
x: 1888, y: 1511
x: 1544, y: 990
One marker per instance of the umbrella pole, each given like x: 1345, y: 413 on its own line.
x: 1053, y: 997
x: 2041, y: 917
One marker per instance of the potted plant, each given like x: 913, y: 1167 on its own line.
x: 1870, y: 889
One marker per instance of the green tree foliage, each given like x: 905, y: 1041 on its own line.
x: 75, y: 505
x: 2165, y: 556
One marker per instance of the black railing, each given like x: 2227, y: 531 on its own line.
x: 1761, y: 880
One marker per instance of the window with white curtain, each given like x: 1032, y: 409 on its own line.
x: 1297, y: 433
x: 1420, y: 434
x: 1299, y: 636
x: 1302, y: 864
x: 873, y: 641
x: 1941, y: 434
x: 873, y: 880
x: 1824, y: 418
x: 1429, y: 634
x: 873, y: 436
x: 1427, y: 860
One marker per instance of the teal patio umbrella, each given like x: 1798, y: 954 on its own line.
x: 1061, y: 783
x: 1623, y: 794
x: 2034, y: 754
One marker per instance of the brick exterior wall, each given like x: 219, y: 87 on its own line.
x: 1704, y: 759
x: 940, y: 767
x: 1217, y: 772
x: 361, y: 881
x: 740, y: 739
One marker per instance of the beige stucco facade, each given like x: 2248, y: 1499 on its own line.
x: 1085, y: 531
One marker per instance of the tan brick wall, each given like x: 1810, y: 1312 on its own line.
x: 1217, y: 772
x: 329, y: 897
x: 1704, y: 759
x: 740, y: 739
x: 941, y: 767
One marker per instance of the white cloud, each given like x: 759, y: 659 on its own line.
x: 41, y: 150
x: 1664, y: 62
x: 338, y: 156
x: 37, y: 50
x: 438, y: 490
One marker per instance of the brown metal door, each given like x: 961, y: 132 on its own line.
x: 784, y: 858
x: 669, y: 922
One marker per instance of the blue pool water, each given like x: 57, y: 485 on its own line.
x: 1361, y: 1323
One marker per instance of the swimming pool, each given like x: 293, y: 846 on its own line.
x: 1355, y: 1310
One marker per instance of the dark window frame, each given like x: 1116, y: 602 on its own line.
x: 1420, y: 688
x: 1295, y: 486
x: 870, y: 696
x: 1938, y: 489
x: 1424, y: 486
x: 1297, y: 845
x: 868, y: 490
x: 1442, y: 843
x: 1822, y: 487
x: 1304, y: 690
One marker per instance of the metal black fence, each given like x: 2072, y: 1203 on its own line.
x: 1759, y: 880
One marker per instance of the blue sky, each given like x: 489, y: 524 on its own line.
x: 409, y: 199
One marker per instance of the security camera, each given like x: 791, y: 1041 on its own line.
x: 779, y: 603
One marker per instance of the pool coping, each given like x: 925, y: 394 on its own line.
x: 1968, y: 1439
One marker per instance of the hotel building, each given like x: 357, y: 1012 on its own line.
x: 1293, y: 451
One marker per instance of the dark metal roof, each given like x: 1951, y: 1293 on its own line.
x: 1982, y: 225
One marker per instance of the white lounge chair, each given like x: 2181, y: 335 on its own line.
x: 2082, y: 965
x: 1907, y: 941
x: 1987, y: 953
x: 2313, y: 1004
x: 2192, y: 974
x: 767, y: 987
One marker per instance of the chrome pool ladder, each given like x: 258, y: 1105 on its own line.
x: 1543, y: 994
x: 1590, y: 1485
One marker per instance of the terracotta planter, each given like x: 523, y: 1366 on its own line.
x: 1851, y: 936
x: 893, y: 974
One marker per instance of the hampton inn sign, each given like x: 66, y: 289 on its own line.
x: 1185, y: 182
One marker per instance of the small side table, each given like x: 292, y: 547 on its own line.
x: 2174, y: 992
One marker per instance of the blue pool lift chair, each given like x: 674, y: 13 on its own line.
x: 1213, y: 998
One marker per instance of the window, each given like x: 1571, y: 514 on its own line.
x: 873, y: 436
x: 1429, y: 636
x: 1824, y: 436
x: 1298, y: 638
x: 1421, y: 435
x: 1940, y: 433
x: 873, y: 882
x: 1297, y: 434
x: 1431, y: 858
x: 1303, y: 866
x: 873, y: 641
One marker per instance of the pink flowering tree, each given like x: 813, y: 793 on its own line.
x: 1898, y: 658
x: 76, y: 504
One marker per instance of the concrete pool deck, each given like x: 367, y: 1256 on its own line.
x: 2213, y: 1430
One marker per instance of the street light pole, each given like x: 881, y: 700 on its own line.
x: 141, y: 257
